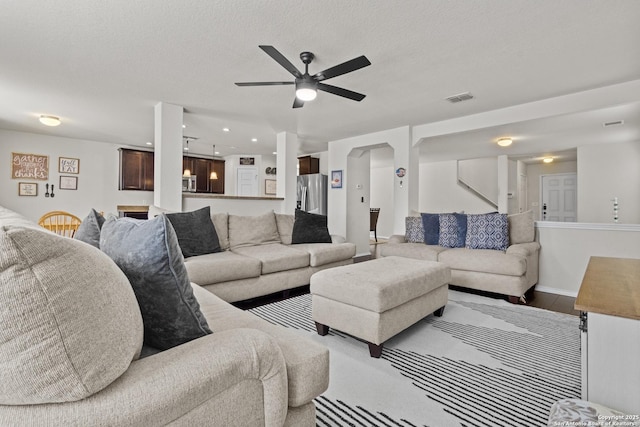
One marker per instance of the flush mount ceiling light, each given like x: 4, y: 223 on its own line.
x: 505, y: 142
x: 548, y: 159
x: 49, y: 120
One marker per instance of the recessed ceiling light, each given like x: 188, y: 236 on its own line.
x: 225, y: 129
x: 548, y: 159
x: 186, y: 148
x: 184, y: 126
x: 254, y: 139
x: 49, y: 120
x: 275, y: 152
x: 504, y: 142
x: 149, y: 143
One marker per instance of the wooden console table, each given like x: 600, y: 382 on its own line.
x: 609, y: 302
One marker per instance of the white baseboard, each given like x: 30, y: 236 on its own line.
x: 556, y: 291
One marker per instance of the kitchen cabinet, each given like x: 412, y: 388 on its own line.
x: 136, y: 170
x: 308, y: 165
x: 609, y: 302
x: 201, y: 168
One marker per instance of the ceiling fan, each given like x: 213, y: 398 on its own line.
x: 308, y: 85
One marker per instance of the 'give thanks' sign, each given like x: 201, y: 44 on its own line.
x: 30, y: 166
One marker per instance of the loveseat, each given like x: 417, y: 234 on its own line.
x: 511, y: 270
x: 73, y: 331
x: 257, y: 256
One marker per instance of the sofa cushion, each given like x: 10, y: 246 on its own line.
x: 285, y: 227
x: 414, y: 233
x: 195, y: 231
x: 70, y: 321
x: 310, y: 228
x: 221, y: 224
x: 326, y: 253
x: 276, y: 257
x: 89, y: 229
x: 412, y: 250
x: 253, y: 230
x: 221, y: 267
x: 453, y: 230
x: 431, y: 228
x: 484, y: 260
x: 521, y: 228
x: 487, y: 231
x: 307, y: 361
x: 149, y: 255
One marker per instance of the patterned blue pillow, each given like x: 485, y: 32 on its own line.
x: 414, y: 232
x: 487, y: 231
x: 453, y: 230
x: 431, y: 227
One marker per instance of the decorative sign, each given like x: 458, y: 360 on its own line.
x: 336, y: 179
x: 400, y: 172
x: 68, y: 183
x: 27, y: 189
x: 68, y: 165
x: 270, y: 186
x: 30, y: 166
x: 247, y: 161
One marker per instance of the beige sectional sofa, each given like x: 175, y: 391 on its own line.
x: 72, y: 337
x: 511, y: 272
x: 258, y: 257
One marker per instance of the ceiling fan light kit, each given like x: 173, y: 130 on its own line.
x: 307, y: 86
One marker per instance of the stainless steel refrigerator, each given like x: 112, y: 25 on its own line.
x: 312, y: 193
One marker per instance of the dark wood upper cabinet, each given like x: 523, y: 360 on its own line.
x: 136, y: 170
x: 202, y: 169
x: 217, y: 185
x: 308, y: 165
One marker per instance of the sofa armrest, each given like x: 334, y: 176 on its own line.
x: 335, y: 238
x: 397, y: 238
x: 523, y: 249
x: 224, y: 377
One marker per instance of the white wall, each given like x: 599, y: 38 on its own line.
x: 607, y: 171
x: 536, y: 170
x: 481, y: 175
x: 97, y: 180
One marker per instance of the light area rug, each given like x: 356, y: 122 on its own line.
x: 485, y: 362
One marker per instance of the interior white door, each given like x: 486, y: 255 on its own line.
x: 559, y: 197
x: 247, y: 184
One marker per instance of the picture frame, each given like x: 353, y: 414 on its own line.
x: 270, y: 186
x: 336, y: 179
x: 68, y: 165
x: 247, y: 161
x: 68, y: 182
x: 27, y: 189
x: 29, y: 166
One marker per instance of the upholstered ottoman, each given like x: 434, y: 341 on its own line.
x: 377, y: 299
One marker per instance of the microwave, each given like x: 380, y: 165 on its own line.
x: 189, y: 184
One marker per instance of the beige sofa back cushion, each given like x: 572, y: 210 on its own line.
x: 521, y: 228
x: 70, y: 321
x: 285, y: 227
x: 253, y: 230
x: 221, y: 224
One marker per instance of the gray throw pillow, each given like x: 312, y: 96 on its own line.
x: 89, y: 230
x: 310, y: 228
x: 195, y: 231
x: 148, y: 253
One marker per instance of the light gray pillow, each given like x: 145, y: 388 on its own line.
x: 89, y: 230
x: 521, y: 228
x: 253, y: 230
x: 148, y: 253
x: 70, y: 321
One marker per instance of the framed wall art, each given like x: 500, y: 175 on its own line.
x: 68, y: 165
x: 68, y: 183
x: 336, y: 179
x: 27, y: 189
x: 270, y: 186
x: 29, y: 166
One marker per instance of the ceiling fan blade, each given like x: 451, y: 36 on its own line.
x: 344, y: 68
x: 341, y: 92
x: 264, y: 83
x: 280, y: 59
x: 298, y: 103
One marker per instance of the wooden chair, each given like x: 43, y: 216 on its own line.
x: 60, y: 222
x: 373, y: 221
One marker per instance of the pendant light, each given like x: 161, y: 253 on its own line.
x: 187, y: 171
x: 214, y: 175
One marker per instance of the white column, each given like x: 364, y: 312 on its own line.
x: 287, y: 167
x: 503, y: 184
x: 167, y: 172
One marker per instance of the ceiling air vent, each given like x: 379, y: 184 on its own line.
x: 459, y: 97
x: 616, y: 123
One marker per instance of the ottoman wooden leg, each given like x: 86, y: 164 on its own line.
x: 375, y: 350
x: 322, y: 329
x: 439, y: 312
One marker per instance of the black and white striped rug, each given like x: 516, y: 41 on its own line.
x: 485, y: 362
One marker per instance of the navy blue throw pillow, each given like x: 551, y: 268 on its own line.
x: 431, y: 227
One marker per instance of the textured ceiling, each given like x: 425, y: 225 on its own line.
x: 103, y: 65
